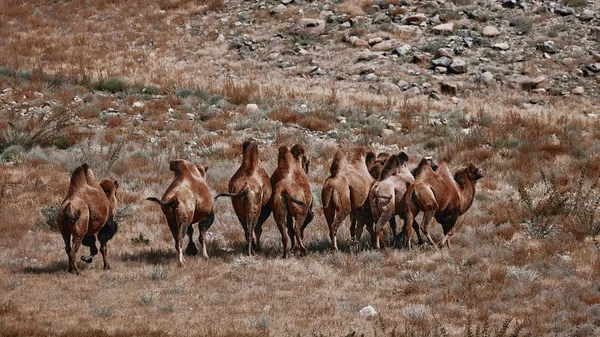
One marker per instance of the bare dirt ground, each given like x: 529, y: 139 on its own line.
x: 126, y: 86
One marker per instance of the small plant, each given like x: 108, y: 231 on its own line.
x: 147, y: 298
x: 114, y: 85
x: 184, y: 93
x: 576, y: 3
x: 102, y: 311
x: 141, y: 239
x: 50, y: 216
x: 159, y: 273
x: 522, y: 24
x: 150, y: 90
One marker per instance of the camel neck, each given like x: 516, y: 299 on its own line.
x: 467, y: 192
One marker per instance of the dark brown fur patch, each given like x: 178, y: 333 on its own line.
x: 336, y: 164
x: 250, y: 155
x: 390, y: 168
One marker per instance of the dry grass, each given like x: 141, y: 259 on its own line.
x: 139, y: 58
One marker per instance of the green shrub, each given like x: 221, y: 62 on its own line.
x: 184, y: 93
x: 150, y: 90
x: 576, y: 3
x: 50, y: 216
x: 11, y: 152
x: 40, y: 130
x: 114, y: 85
x: 522, y: 24
x: 7, y: 72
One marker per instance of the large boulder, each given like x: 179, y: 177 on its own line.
x: 458, y: 66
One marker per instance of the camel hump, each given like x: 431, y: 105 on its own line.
x: 443, y: 169
x: 78, y: 179
x: 370, y: 159
x: 390, y: 168
x: 423, y: 167
x: 339, y: 160
x: 297, y: 151
x: 249, y: 154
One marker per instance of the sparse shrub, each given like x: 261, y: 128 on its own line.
x: 42, y: 129
x: 7, y: 72
x: 49, y: 218
x: 159, y: 273
x: 147, y: 298
x: 102, y: 311
x: 150, y: 90
x: 239, y: 93
x: 415, y: 312
x: 576, y: 3
x: 184, y: 93
x: 114, y: 85
x: 462, y: 2
x: 140, y: 239
x: 10, y: 153
x: 522, y: 274
x: 522, y: 24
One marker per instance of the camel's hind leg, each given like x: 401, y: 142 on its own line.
x: 73, y: 254
x: 104, y: 251
x: 426, y: 218
x: 67, y: 239
x: 265, y: 212
x: 203, y: 226
x: 253, y: 203
x: 297, y: 226
x: 281, y: 221
x: 178, y: 236
x: 191, y: 249
x: 337, y: 221
x: 89, y: 241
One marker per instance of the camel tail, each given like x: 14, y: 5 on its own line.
x: 70, y: 216
x: 327, y: 195
x: 408, y: 198
x: 233, y: 195
x: 172, y: 202
x: 295, y: 201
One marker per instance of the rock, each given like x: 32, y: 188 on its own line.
x: 548, y: 47
x: 578, y: 90
x: 375, y: 41
x: 444, y: 52
x: 367, y: 311
x: 400, y: 51
x: 346, y: 24
x: 413, y: 91
x: 360, y: 43
x: 509, y: 3
x: 490, y: 31
x: 279, y: 9
x: 458, y: 66
x: 501, y: 46
x: 420, y: 58
x: 381, y: 17
x: 449, y: 88
x: 568, y: 61
x: 487, y: 77
x: 587, y: 15
x: 287, y: 2
x: 595, y: 31
x: 251, y: 107
x: 384, y: 88
x: 371, y: 77
x: 564, y: 10
x: 386, y: 133
x: 441, y: 70
x: 385, y: 45
x: 138, y: 104
x: 308, y: 27
x: 539, y: 91
x: 366, y: 55
x: 444, y: 28
x: 528, y: 83
x: 442, y: 61
x: 416, y: 19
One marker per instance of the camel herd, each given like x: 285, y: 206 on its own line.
x: 371, y: 189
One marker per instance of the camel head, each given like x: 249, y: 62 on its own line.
x: 474, y: 173
x: 181, y: 167
x: 382, y: 157
x: 403, y: 157
x: 300, y: 156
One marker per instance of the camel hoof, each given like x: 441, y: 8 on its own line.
x: 87, y: 258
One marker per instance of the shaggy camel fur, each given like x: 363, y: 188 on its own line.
x: 185, y: 202
x: 386, y: 193
x: 292, y: 196
x: 345, y: 191
x: 83, y: 212
x: 109, y: 186
x: 375, y: 163
x: 250, y: 192
x: 441, y: 195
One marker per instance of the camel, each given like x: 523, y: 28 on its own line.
x: 292, y: 197
x: 386, y: 193
x: 375, y: 163
x: 185, y: 202
x: 345, y: 191
x: 441, y: 195
x: 109, y: 186
x: 250, y: 192
x: 83, y: 212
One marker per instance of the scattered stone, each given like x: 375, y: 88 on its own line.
x: 528, y: 83
x: 346, y: 24
x: 385, y: 45
x: 458, y: 66
x: 442, y: 61
x: 400, y: 51
x: 371, y: 77
x: 413, y: 91
x: 509, y: 3
x: 568, y: 61
x: 564, y: 10
x: 278, y: 10
x: 449, y: 88
x: 138, y: 104
x: 578, y: 90
x: 487, y: 77
x: 548, y: 47
x: 587, y: 15
x: 416, y: 19
x: 251, y: 107
x: 421, y: 58
x: 287, y: 2
x: 360, y: 43
x: 596, y: 33
x: 490, y: 31
x: 366, y: 55
x: 441, y: 70
x: 307, y: 27
x: 444, y: 52
x: 367, y: 311
x: 501, y: 46
x: 384, y: 88
x: 387, y: 133
x: 381, y: 17
x: 375, y: 41
x: 444, y: 28
x: 539, y: 91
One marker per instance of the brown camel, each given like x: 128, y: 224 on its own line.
x: 83, y: 212
x: 386, y: 193
x: 345, y: 191
x: 375, y: 163
x: 441, y: 195
x: 292, y: 196
x: 109, y: 186
x: 185, y: 202
x: 250, y: 192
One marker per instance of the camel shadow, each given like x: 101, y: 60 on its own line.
x: 152, y: 256
x: 52, y: 268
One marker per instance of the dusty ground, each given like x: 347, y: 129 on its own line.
x: 128, y: 86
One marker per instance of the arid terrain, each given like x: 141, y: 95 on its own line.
x: 126, y: 86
